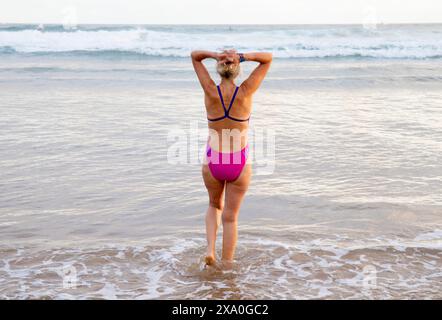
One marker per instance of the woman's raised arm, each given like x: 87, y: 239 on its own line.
x: 251, y: 84
x: 200, y: 69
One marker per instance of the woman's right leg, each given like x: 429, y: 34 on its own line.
x: 235, y: 192
x: 215, y: 188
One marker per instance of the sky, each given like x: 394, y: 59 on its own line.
x: 221, y: 11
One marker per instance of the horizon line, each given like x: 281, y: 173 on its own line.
x: 232, y: 24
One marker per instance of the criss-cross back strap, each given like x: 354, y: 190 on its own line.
x: 226, y: 111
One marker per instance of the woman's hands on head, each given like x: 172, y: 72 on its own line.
x: 228, y: 57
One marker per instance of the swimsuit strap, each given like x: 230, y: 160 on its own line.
x: 226, y: 111
x: 239, y: 120
x: 221, y: 98
x: 233, y: 99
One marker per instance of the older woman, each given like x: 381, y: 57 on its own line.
x: 225, y: 171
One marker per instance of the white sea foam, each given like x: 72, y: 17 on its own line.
x: 295, y: 42
x: 433, y: 235
x: 322, y: 268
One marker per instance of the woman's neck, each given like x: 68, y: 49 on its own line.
x: 227, y: 82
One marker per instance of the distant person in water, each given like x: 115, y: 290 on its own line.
x: 225, y: 170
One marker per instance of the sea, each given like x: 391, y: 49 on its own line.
x: 346, y: 196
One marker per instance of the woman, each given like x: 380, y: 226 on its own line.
x: 225, y: 171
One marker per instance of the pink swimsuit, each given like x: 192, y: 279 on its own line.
x: 227, y: 166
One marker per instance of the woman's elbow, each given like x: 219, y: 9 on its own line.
x: 196, y: 55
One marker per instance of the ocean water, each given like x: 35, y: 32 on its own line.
x: 91, y: 206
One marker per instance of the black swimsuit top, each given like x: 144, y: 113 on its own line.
x: 226, y: 111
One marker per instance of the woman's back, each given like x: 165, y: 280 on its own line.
x: 228, y: 111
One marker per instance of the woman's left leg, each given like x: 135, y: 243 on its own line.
x: 215, y: 188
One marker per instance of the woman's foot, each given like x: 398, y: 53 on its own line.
x: 209, y: 260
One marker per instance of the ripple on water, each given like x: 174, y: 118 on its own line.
x: 319, y: 268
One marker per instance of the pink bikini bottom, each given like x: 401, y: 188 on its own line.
x: 226, y: 166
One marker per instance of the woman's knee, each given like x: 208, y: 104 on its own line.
x: 229, y: 216
x: 217, y: 203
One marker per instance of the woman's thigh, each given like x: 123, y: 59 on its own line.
x: 236, y: 190
x: 215, y: 188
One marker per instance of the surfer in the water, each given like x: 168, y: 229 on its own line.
x: 225, y: 171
